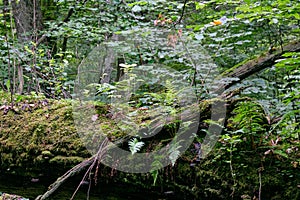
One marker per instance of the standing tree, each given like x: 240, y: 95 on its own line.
x: 28, y: 19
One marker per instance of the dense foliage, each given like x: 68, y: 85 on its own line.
x: 257, y: 155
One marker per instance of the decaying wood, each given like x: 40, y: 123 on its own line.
x: 89, y: 163
x: 253, y: 66
x: 75, y: 170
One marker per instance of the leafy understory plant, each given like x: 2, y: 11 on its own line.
x: 135, y: 145
x: 156, y: 168
x: 174, y: 153
x: 232, y: 139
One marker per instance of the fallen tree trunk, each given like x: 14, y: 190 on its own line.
x: 242, y: 71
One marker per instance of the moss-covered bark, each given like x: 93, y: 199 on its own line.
x: 38, y: 134
x: 252, y: 66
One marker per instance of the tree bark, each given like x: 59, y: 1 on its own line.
x: 23, y: 13
x: 27, y: 16
x: 255, y: 65
x: 109, y: 62
x: 21, y: 79
x: 5, y: 7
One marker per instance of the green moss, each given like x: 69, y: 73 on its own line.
x: 63, y: 160
x: 232, y: 69
x: 101, y: 108
x: 47, y: 153
x: 37, y: 133
x: 42, y: 132
x: 179, y: 66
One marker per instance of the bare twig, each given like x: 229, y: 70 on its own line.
x: 182, y: 12
x: 78, y: 168
x: 232, y: 171
x: 98, y: 156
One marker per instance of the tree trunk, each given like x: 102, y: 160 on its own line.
x: 20, y: 79
x: 24, y: 15
x: 253, y: 66
x: 27, y: 16
x: 5, y: 6
x: 109, y: 62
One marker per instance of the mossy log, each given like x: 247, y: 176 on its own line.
x: 38, y: 134
x: 38, y: 137
x: 245, y: 69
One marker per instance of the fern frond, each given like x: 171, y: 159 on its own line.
x: 135, y: 145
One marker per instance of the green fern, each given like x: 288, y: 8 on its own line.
x: 135, y: 145
x: 174, y: 153
x: 154, y: 174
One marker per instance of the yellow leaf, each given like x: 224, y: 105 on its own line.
x: 216, y: 22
